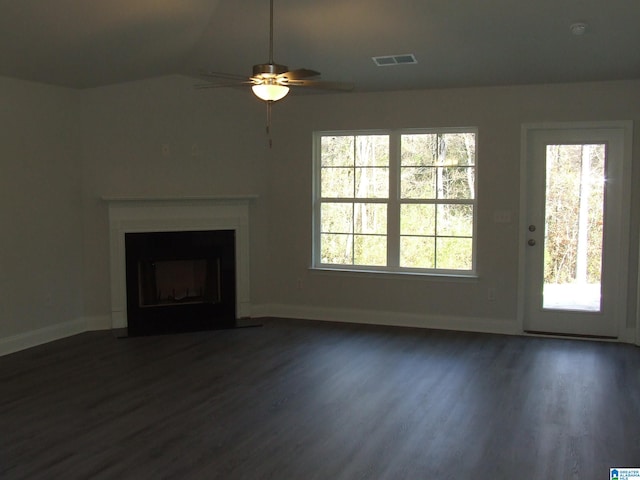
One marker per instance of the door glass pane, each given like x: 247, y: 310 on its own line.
x: 574, y: 218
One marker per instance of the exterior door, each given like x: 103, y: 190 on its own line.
x: 574, y: 231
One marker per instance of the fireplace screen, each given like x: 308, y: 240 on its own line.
x: 180, y: 281
x: 169, y: 282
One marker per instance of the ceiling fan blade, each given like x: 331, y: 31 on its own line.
x: 320, y: 84
x: 299, y: 74
x: 202, y: 86
x: 226, y: 76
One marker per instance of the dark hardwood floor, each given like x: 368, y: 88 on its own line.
x: 313, y: 400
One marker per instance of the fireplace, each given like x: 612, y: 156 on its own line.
x: 180, y: 281
x: 211, y: 275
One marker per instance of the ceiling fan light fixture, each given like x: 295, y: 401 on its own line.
x: 270, y: 92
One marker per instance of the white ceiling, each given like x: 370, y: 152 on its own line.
x: 83, y: 43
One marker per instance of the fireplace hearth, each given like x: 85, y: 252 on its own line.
x: 180, y: 281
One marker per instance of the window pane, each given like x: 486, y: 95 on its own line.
x: 372, y: 150
x: 455, y: 220
x: 337, y: 217
x: 370, y: 218
x: 454, y: 253
x: 419, y: 150
x: 417, y: 252
x: 457, y: 149
x: 418, y: 182
x: 372, y: 182
x: 336, y: 151
x: 336, y: 183
x: 574, y: 217
x: 417, y: 219
x: 370, y: 250
x: 434, y: 206
x: 457, y: 182
x: 336, y: 248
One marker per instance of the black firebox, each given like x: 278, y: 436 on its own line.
x: 180, y: 281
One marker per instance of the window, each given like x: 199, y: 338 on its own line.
x: 395, y: 201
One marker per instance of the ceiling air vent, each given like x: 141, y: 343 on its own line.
x: 389, y: 60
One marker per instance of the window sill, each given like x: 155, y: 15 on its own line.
x: 355, y: 272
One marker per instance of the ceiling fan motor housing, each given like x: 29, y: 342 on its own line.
x: 269, y: 69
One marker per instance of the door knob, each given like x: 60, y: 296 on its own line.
x: 531, y: 242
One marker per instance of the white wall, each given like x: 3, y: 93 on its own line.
x: 498, y: 113
x: 40, y: 215
x: 64, y: 150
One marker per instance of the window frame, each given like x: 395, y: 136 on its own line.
x: 393, y: 202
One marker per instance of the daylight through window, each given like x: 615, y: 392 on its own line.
x: 396, y: 201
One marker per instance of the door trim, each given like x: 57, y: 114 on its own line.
x: 637, y: 326
x: 625, y: 333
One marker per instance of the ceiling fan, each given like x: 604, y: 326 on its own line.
x: 272, y: 81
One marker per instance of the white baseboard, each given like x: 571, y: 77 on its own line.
x: 374, y: 317
x: 98, y: 322
x: 22, y: 341
x: 628, y: 335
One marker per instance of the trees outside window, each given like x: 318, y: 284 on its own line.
x: 401, y: 200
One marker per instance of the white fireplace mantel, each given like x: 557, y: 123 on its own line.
x: 174, y: 214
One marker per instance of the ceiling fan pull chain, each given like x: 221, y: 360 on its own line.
x: 269, y: 104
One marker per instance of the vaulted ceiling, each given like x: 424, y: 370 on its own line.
x: 82, y: 44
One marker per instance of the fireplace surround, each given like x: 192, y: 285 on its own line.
x: 129, y: 216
